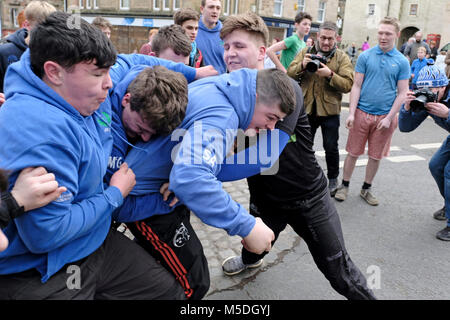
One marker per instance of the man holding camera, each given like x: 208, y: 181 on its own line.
x: 381, y: 82
x: 325, y: 73
x: 432, y: 99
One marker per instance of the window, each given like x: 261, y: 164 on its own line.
x: 321, y: 12
x: 95, y: 4
x: 236, y: 6
x: 14, y: 13
x: 226, y: 9
x: 156, y: 6
x: 278, y: 8
x: 301, y: 5
x: 371, y: 10
x: 176, y: 4
x: 413, y: 9
x: 88, y: 4
x: 166, y: 5
x: 81, y: 3
x: 124, y: 4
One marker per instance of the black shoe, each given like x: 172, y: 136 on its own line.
x: 440, y: 214
x: 444, y: 234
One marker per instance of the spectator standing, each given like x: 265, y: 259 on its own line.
x: 292, y: 45
x: 322, y: 91
x: 373, y: 107
x: 104, y: 25
x: 208, y: 36
x: 433, y: 50
x: 417, y: 65
x: 147, y: 47
x: 365, y: 46
x: 410, y: 41
x: 411, y: 49
x: 440, y: 61
x: 352, y: 53
x: 188, y: 20
x: 17, y: 43
x: 434, y: 79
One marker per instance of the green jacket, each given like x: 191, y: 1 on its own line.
x: 326, y: 93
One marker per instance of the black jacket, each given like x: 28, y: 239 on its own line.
x: 9, y: 209
x: 299, y: 175
x: 11, y: 51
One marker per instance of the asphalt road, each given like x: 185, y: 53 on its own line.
x: 393, y: 244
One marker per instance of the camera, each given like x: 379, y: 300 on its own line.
x: 423, y: 96
x: 313, y: 65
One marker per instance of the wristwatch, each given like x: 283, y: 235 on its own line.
x: 331, y: 75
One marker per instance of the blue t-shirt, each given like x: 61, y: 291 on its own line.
x: 382, y: 71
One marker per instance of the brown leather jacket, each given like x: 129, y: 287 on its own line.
x: 326, y: 93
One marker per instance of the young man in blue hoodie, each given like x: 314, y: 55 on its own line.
x: 208, y: 36
x: 217, y: 108
x: 58, y: 92
x: 17, y: 43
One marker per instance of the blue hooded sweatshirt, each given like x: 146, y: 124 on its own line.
x: 211, y: 46
x: 11, y: 51
x: 217, y: 107
x: 73, y: 147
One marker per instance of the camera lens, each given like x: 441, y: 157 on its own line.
x: 312, y: 66
x: 418, y: 103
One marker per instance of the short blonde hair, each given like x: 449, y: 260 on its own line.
x: 36, y: 11
x: 422, y: 49
x: 392, y: 21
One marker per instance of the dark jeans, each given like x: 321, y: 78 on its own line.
x: 330, y: 138
x: 317, y: 222
x: 440, y: 170
x: 119, y: 269
x: 172, y: 241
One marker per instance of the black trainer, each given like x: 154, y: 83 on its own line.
x: 440, y: 214
x: 444, y: 234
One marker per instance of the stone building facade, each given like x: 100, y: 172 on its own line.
x: 432, y: 17
x: 131, y: 19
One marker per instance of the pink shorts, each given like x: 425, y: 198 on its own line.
x: 365, y: 130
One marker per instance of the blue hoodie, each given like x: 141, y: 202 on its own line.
x: 76, y: 150
x: 217, y: 107
x: 154, y: 202
x: 11, y: 51
x: 211, y: 46
x: 416, y: 66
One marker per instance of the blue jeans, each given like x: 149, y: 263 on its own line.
x: 440, y: 170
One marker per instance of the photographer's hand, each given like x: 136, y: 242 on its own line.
x: 306, y: 59
x: 438, y: 109
x: 409, y: 97
x: 324, y: 71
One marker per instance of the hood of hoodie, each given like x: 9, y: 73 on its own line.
x: 202, y: 26
x: 18, y: 38
x: 24, y: 81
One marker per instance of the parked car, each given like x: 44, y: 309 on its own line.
x: 445, y: 48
